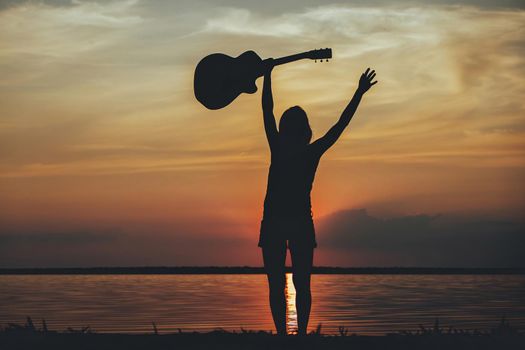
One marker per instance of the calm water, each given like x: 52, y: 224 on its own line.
x: 366, y: 304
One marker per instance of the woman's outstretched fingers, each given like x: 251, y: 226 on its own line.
x: 365, y: 82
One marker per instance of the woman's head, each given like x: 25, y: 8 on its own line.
x: 294, y: 128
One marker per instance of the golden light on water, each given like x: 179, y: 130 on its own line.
x: 291, y: 311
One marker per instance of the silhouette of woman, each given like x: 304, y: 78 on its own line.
x: 287, y: 219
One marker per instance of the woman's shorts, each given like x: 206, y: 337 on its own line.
x: 294, y: 231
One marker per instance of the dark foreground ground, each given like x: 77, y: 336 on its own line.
x: 223, y: 340
x: 30, y: 336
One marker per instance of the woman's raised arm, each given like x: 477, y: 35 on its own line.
x: 324, y: 143
x: 267, y: 106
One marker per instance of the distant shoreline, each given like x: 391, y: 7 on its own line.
x: 247, y: 270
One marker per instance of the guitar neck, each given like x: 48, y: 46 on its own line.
x: 288, y: 59
x: 313, y: 55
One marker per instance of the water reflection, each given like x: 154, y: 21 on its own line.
x: 291, y: 311
x: 366, y: 304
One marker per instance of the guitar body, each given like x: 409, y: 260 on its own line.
x: 219, y: 78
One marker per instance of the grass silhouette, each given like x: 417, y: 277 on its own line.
x: 29, y: 336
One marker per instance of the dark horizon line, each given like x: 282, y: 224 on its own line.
x: 175, y: 270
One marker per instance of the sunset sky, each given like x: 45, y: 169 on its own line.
x: 107, y: 159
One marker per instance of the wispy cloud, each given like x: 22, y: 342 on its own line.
x: 48, y: 31
x: 433, y: 73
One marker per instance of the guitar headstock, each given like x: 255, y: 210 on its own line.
x: 320, y: 54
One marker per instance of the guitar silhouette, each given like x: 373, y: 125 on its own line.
x: 219, y: 78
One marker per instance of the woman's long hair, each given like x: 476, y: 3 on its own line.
x: 294, y: 128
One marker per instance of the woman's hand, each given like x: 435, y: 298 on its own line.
x: 268, y: 65
x: 365, y: 82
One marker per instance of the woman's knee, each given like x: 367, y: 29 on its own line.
x: 277, y: 283
x: 301, y: 283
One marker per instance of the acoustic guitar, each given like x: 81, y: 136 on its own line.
x: 219, y: 78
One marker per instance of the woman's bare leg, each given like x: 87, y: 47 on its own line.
x: 274, y: 259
